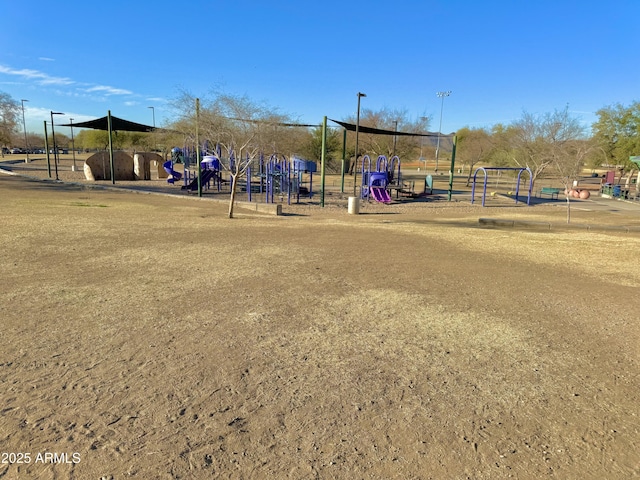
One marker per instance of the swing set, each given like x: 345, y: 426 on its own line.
x: 484, y: 190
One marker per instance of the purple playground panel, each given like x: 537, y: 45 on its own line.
x: 378, y: 187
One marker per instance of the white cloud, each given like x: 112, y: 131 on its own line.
x: 45, y: 79
x: 46, y: 59
x: 37, y: 115
x: 39, y: 77
x: 107, y: 90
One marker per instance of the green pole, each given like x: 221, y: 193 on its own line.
x: 198, y: 148
x: 113, y: 174
x: 344, y: 159
x: 453, y: 163
x: 355, y: 165
x: 323, y: 160
x: 46, y: 147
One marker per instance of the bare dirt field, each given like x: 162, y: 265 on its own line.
x: 150, y: 337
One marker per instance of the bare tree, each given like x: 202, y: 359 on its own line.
x: 474, y: 146
x: 390, y: 120
x: 8, y: 119
x: 231, y: 121
x: 569, y: 162
x: 238, y: 126
x: 539, y: 140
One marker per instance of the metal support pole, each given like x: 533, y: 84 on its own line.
x: 453, y: 163
x: 111, y: 166
x: 395, y: 139
x: 55, y: 147
x: 355, y: 165
x: 344, y: 154
x: 73, y: 147
x: 198, y: 148
x: 441, y: 95
x: 24, y: 126
x: 46, y: 148
x: 323, y: 160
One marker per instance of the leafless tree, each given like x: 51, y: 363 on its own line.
x: 474, y: 146
x: 569, y: 161
x: 239, y: 126
x: 390, y: 120
x: 539, y: 140
x: 9, y: 118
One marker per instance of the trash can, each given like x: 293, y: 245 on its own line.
x: 354, y: 206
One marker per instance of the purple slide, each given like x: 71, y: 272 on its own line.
x: 173, y: 175
x: 380, y: 195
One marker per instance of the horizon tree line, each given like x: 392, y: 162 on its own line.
x: 541, y: 142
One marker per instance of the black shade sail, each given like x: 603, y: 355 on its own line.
x: 377, y: 131
x: 117, y: 124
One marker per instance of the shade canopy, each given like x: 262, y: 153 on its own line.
x: 377, y: 131
x: 117, y: 124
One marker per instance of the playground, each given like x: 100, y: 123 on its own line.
x: 158, y: 339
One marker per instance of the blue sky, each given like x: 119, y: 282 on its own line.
x: 309, y: 59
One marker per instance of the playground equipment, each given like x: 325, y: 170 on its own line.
x: 631, y: 188
x: 176, y: 157
x: 428, y: 185
x: 301, y: 167
x: 210, y: 171
x: 285, y: 178
x: 277, y: 176
x: 173, y: 175
x: 484, y: 190
x: 377, y: 184
x: 636, y: 194
x: 378, y: 187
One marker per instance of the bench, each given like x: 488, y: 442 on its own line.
x: 552, y: 192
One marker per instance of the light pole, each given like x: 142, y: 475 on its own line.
x: 355, y: 165
x: 153, y: 113
x: 73, y: 146
x: 441, y: 95
x: 55, y: 147
x: 423, y: 119
x: 395, y: 138
x: 24, y: 126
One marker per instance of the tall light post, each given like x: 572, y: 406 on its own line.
x: 423, y: 119
x: 24, y: 126
x: 395, y: 138
x: 441, y: 95
x: 55, y: 147
x: 153, y: 113
x: 73, y: 146
x: 355, y: 165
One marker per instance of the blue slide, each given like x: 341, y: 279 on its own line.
x: 173, y: 175
x: 206, y: 177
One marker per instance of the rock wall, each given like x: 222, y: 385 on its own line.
x: 125, y: 167
x: 142, y: 166
x: 96, y: 167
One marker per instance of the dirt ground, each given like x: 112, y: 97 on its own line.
x: 147, y: 336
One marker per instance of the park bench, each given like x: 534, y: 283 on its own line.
x: 552, y: 192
